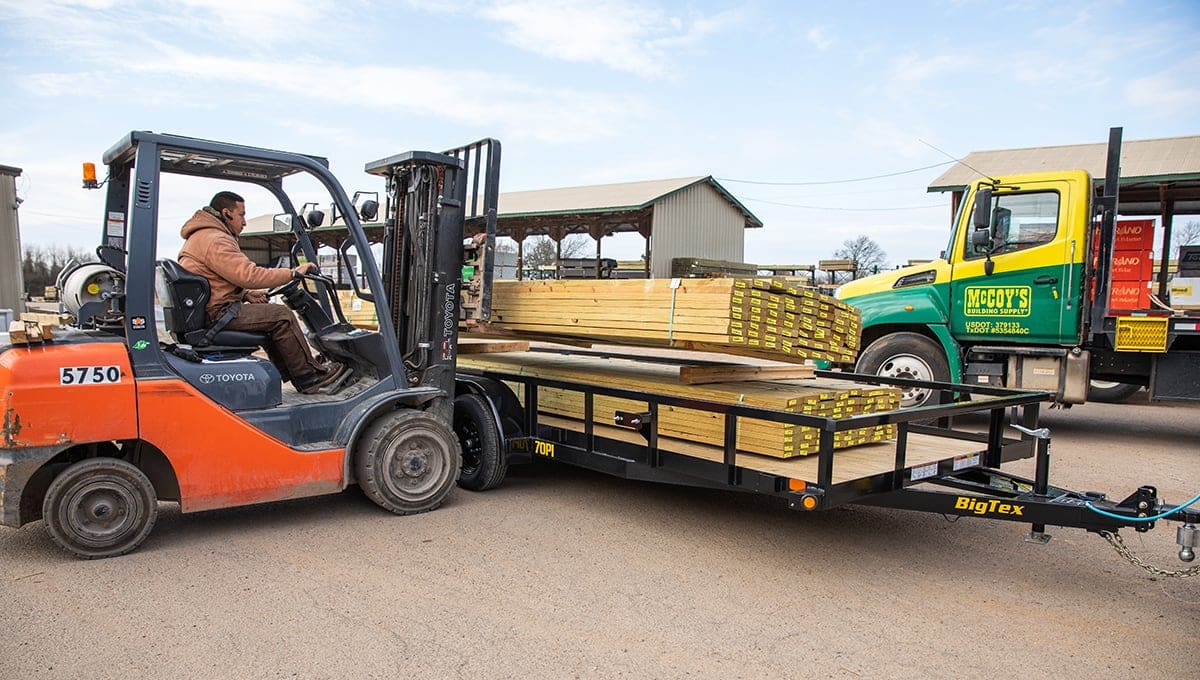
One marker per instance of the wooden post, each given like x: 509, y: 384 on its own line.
x: 518, y: 235
x: 1168, y: 217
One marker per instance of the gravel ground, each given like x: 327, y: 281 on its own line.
x: 567, y: 573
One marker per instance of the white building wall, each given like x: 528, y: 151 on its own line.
x: 12, y: 285
x: 695, y: 222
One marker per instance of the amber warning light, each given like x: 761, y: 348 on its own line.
x: 89, y: 176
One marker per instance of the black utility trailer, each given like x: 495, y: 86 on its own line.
x: 945, y: 458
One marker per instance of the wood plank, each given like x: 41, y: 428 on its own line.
x: 28, y: 332
x: 699, y: 375
x: 849, y: 464
x: 481, y: 346
x: 821, y: 397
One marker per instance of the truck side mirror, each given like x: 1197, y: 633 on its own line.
x: 315, y: 218
x: 982, y: 217
x: 982, y: 240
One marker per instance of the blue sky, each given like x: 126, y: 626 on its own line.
x: 595, y: 92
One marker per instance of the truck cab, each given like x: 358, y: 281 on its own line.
x: 1028, y: 293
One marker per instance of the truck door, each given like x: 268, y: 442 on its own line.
x: 1025, y: 299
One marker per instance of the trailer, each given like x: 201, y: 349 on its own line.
x: 946, y: 458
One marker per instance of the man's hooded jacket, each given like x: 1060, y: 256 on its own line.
x: 210, y: 249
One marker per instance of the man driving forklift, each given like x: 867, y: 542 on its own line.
x: 237, y: 300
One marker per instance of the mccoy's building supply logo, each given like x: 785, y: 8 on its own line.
x: 997, y: 301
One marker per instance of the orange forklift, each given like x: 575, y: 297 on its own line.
x: 127, y: 407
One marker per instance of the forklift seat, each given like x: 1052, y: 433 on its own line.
x: 183, y: 296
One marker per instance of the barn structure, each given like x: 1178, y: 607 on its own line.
x: 693, y: 217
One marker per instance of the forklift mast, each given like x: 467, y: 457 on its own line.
x: 433, y: 202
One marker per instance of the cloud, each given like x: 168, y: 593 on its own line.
x: 1165, y: 93
x: 624, y: 36
x: 818, y: 36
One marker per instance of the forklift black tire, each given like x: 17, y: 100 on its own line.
x: 906, y: 355
x: 100, y: 507
x: 1111, y: 392
x: 407, y: 461
x: 483, y: 462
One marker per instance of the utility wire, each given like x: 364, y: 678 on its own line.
x: 819, y: 207
x: 836, y: 181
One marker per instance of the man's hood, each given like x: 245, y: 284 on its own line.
x: 205, y: 218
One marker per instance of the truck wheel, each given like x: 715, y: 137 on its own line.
x: 100, y: 507
x: 906, y: 355
x: 407, y: 461
x: 1111, y: 392
x: 483, y: 462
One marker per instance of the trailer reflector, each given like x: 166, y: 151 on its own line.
x: 797, y: 485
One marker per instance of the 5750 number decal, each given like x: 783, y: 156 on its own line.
x: 88, y: 375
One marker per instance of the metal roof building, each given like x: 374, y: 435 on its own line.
x: 685, y: 217
x: 1158, y: 176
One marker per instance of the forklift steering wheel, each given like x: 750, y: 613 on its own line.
x: 287, y: 287
x: 291, y: 285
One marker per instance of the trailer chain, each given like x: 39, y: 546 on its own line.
x: 1118, y: 543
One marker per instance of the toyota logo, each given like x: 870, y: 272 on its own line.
x: 207, y: 378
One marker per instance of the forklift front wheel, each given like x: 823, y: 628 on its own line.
x: 483, y: 463
x: 100, y: 507
x: 407, y: 461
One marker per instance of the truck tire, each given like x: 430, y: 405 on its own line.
x: 483, y: 462
x: 100, y: 507
x: 407, y: 461
x: 906, y: 355
x: 1111, y: 392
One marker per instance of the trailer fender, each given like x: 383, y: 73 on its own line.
x: 506, y: 408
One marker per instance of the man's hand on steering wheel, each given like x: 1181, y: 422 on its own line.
x: 298, y: 274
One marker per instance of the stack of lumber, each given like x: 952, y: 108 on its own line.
x: 762, y: 317
x: 358, y: 312
x: 819, y: 397
x: 698, y: 268
x: 29, y: 332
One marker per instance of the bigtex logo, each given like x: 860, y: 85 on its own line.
x: 997, y: 301
x: 985, y: 507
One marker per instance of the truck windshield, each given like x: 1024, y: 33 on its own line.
x: 954, y: 229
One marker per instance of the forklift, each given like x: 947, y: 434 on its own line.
x: 126, y: 407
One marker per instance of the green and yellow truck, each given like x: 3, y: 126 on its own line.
x: 1032, y: 291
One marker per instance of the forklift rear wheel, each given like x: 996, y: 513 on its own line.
x: 483, y: 463
x: 1111, y: 392
x: 906, y: 355
x: 100, y: 507
x: 407, y: 461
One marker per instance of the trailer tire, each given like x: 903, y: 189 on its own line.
x: 906, y: 355
x: 100, y: 507
x: 1111, y: 392
x: 407, y: 461
x: 483, y: 461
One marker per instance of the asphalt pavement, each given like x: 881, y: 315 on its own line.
x: 567, y: 573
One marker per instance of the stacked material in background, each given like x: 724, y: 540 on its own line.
x: 761, y: 317
x: 818, y: 397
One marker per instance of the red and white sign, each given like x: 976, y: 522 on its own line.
x: 1132, y: 265
x: 1134, y: 235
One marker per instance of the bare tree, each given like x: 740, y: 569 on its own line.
x: 1187, y: 235
x: 541, y: 250
x: 868, y: 257
x: 40, y: 265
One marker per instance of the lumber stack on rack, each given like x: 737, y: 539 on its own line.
x: 764, y: 317
x: 820, y: 397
